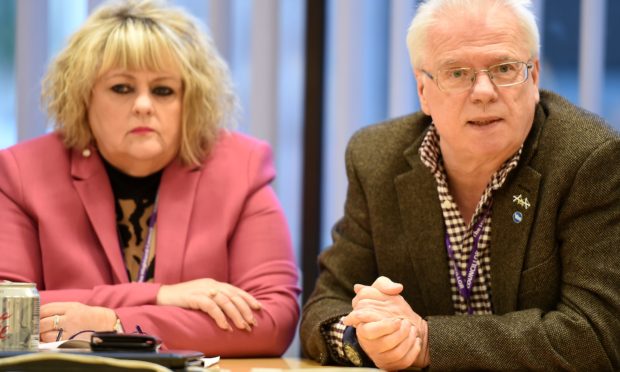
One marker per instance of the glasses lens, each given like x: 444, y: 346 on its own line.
x: 455, y: 79
x: 508, y: 73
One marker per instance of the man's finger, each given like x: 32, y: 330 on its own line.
x: 368, y: 292
x: 356, y: 317
x: 374, y: 330
x: 384, y: 340
x: 387, y: 286
x: 405, y: 353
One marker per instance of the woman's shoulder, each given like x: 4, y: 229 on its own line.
x: 43, y: 147
x: 233, y: 146
x: 42, y: 154
x: 238, y: 155
x: 41, y: 163
x: 239, y: 141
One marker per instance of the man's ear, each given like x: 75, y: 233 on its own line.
x: 535, y: 74
x: 421, y: 80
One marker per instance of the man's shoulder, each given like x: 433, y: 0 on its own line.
x: 566, y: 136
x: 568, y: 123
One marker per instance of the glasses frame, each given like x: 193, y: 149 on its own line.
x: 528, y: 65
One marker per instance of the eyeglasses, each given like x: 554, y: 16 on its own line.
x: 460, y: 79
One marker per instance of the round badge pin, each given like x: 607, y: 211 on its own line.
x: 517, y: 217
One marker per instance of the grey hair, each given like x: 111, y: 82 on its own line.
x: 430, y: 12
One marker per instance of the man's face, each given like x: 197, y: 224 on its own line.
x: 486, y: 122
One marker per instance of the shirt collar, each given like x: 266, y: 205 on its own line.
x: 430, y: 154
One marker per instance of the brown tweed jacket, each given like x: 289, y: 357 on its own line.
x: 555, y: 275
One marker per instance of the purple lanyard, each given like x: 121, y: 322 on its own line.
x: 147, y: 244
x: 466, y: 286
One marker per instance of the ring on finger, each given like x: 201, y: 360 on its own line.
x: 56, y: 321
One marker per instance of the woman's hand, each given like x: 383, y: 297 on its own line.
x: 73, y: 317
x: 218, y: 299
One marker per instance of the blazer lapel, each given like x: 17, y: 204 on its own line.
x: 514, y: 209
x: 423, y: 224
x: 93, y: 187
x: 422, y: 221
x: 177, y: 193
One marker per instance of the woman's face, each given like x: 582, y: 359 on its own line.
x: 135, y: 118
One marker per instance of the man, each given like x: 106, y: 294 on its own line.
x: 483, y: 233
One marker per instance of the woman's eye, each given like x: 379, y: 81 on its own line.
x: 162, y: 91
x: 121, y: 88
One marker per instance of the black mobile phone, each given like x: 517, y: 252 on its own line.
x: 113, y: 341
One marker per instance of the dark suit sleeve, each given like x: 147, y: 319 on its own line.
x: 583, y: 331
x: 349, y: 260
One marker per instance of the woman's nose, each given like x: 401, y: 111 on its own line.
x: 143, y: 105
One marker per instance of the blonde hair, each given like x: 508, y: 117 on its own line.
x: 431, y: 12
x: 141, y: 34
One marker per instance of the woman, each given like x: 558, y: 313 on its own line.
x: 140, y: 209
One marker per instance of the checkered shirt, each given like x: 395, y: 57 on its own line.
x: 334, y: 336
x: 459, y: 233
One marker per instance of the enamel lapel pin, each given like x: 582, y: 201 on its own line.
x: 522, y: 202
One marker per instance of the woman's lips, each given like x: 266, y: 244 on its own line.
x: 141, y: 130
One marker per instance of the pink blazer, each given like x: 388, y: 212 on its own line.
x: 220, y: 220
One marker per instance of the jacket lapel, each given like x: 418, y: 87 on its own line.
x: 513, y: 215
x: 514, y: 209
x: 422, y: 222
x: 177, y: 194
x: 93, y: 187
